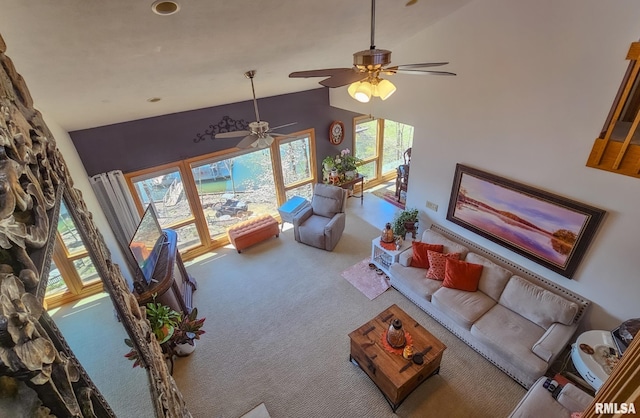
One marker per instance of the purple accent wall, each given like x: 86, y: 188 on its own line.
x: 144, y: 143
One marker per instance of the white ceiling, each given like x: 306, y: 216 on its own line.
x: 90, y: 63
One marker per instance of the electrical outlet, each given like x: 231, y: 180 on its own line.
x: 432, y: 206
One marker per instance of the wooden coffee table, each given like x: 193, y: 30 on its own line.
x: 395, y: 377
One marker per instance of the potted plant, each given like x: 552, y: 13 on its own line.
x: 163, y: 320
x: 188, y: 330
x: 405, y: 220
x: 349, y: 163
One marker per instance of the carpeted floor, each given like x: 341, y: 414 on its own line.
x: 278, y: 319
x: 278, y: 316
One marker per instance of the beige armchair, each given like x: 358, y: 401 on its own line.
x: 321, y: 225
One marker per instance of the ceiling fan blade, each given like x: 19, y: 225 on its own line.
x: 247, y: 141
x: 283, y: 126
x: 327, y: 72
x: 233, y: 134
x: 421, y: 65
x: 283, y: 135
x: 343, y: 79
x: 408, y: 71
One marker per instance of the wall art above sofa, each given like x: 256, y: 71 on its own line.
x: 551, y: 230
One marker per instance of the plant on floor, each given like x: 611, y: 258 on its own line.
x: 163, y: 320
x: 189, y: 329
x: 171, y: 329
x: 402, y: 218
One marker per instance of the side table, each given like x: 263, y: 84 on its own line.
x: 290, y: 209
x: 382, y: 257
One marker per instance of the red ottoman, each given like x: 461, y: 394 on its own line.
x: 253, y: 231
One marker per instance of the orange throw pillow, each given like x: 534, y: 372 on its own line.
x: 462, y: 275
x: 419, y: 257
x: 437, y: 264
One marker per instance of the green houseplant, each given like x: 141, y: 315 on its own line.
x: 175, y: 333
x: 163, y: 320
x: 403, y: 219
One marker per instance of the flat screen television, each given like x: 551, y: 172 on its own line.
x: 147, y: 242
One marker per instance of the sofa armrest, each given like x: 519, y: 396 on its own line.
x: 302, y: 216
x: 553, y: 341
x: 573, y: 398
x: 405, y: 257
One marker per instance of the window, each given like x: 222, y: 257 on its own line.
x: 381, y: 144
x: 201, y: 197
x: 72, y: 274
x: 297, y: 162
x: 617, y: 148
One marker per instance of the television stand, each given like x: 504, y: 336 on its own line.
x: 171, y: 283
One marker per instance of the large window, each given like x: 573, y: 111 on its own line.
x: 381, y: 145
x: 201, y: 197
x: 72, y: 274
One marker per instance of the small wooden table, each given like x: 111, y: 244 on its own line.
x: 349, y: 184
x: 395, y: 377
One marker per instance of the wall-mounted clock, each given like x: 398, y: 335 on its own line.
x: 336, y: 132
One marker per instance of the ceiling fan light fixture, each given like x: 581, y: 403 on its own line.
x: 385, y: 89
x: 352, y: 89
x: 363, y: 92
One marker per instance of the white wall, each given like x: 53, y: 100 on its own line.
x: 81, y: 182
x: 536, y: 80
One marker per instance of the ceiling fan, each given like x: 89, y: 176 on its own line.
x: 259, y: 134
x: 364, y: 77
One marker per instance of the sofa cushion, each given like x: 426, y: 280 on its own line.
x: 327, y: 200
x: 461, y: 306
x: 537, y: 304
x: 433, y: 237
x: 461, y: 275
x: 419, y: 255
x: 493, y: 279
x: 312, y: 231
x: 437, y: 264
x: 511, y: 335
x: 413, y: 278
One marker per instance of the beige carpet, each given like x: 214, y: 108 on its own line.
x: 278, y: 316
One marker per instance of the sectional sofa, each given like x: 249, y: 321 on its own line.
x: 516, y: 319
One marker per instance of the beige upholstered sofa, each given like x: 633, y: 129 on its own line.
x: 538, y: 402
x: 516, y: 319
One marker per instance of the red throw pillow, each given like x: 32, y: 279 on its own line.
x: 419, y: 257
x: 462, y: 275
x: 437, y: 264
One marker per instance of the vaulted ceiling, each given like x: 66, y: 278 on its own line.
x: 94, y: 63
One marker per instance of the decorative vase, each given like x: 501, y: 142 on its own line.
x: 387, y: 234
x: 350, y: 175
x: 185, y: 349
x: 395, y: 334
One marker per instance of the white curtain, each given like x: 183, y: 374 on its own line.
x: 119, y: 208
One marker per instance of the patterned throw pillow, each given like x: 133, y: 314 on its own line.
x: 437, y: 264
x: 419, y: 257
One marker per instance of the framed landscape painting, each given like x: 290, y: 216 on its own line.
x: 549, y: 229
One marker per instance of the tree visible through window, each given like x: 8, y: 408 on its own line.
x: 381, y: 143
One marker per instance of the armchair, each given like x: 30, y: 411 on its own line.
x: 321, y: 224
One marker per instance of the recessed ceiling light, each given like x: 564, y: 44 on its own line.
x: 165, y: 8
x: 154, y: 99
